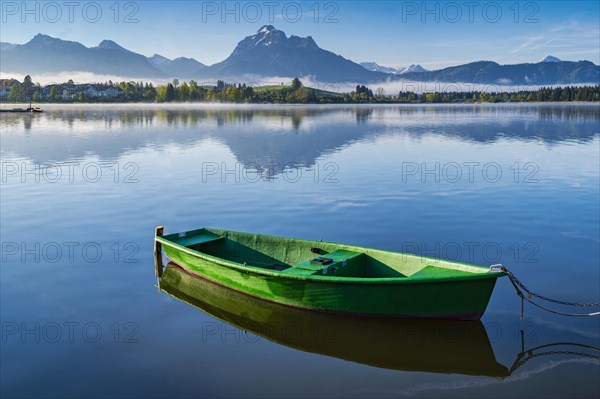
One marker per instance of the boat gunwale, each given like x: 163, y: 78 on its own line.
x: 485, y: 274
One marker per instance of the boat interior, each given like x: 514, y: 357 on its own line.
x: 303, y: 257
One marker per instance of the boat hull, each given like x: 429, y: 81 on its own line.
x: 459, y: 299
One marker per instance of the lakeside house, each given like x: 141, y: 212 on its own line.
x: 5, y: 85
x: 90, y: 91
x: 67, y: 93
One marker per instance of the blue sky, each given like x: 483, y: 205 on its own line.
x: 396, y: 33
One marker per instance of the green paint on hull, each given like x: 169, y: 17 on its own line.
x: 358, y: 280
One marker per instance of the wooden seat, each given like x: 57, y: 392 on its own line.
x: 197, y: 238
x: 340, y: 259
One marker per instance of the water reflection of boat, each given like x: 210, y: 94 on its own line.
x: 440, y: 346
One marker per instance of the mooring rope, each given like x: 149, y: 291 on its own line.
x: 520, y: 287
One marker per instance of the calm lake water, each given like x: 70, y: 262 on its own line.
x: 84, y: 187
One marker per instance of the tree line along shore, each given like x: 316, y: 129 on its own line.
x: 14, y: 91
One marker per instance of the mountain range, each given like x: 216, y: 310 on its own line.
x: 373, y: 66
x: 488, y: 72
x: 271, y: 53
x: 179, y: 67
x: 45, y: 55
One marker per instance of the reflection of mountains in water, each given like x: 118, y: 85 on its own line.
x: 281, y: 136
x: 410, y: 345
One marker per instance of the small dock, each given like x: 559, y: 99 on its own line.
x: 23, y: 110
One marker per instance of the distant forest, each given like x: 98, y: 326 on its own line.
x: 13, y: 91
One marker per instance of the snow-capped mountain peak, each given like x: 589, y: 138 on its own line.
x: 551, y: 58
x: 158, y: 59
x: 375, y: 67
x: 267, y: 36
x: 416, y: 68
x: 41, y: 41
x: 266, y: 29
x: 110, y: 45
x: 40, y: 37
x: 270, y: 52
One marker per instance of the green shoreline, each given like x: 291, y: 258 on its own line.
x: 2, y: 104
x: 14, y: 91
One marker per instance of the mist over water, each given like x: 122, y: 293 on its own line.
x: 390, y: 86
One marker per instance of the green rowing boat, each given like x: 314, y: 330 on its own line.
x: 329, y: 277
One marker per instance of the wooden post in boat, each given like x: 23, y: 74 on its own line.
x: 158, y: 262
